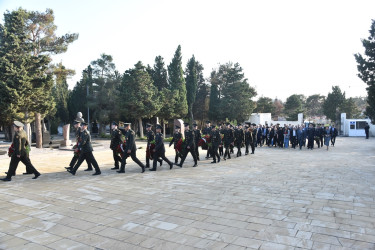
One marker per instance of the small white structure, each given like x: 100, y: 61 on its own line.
x: 265, y: 118
x: 355, y: 127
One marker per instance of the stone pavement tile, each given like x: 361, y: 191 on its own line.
x: 136, y: 239
x: 304, y: 235
x: 10, y: 241
x: 362, y: 245
x: 38, y: 236
x: 332, y: 232
x: 64, y: 231
x: 30, y: 246
x: 68, y: 244
x: 238, y: 231
x: 284, y: 224
x: 116, y: 244
x: 332, y: 240
x: 281, y: 231
x: 224, y: 221
x: 115, y: 233
x: 248, y: 242
x: 10, y: 226
x: 363, y: 237
x: 184, y: 239
x: 234, y: 247
x: 274, y: 246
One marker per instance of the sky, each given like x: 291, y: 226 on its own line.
x: 285, y: 47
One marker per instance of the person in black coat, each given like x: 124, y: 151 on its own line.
x: 150, y: 139
x: 216, y: 143
x: 228, y: 140
x: 197, y: 138
x: 367, y: 130
x: 239, y: 138
x: 116, y: 139
x: 317, y: 134
x: 159, y: 150
x: 207, y: 131
x: 334, y: 134
x: 130, y: 149
x: 176, y: 137
x: 189, y: 146
x: 310, y: 136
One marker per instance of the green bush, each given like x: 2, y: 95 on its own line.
x: 103, y: 135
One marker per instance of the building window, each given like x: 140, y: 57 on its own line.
x: 361, y: 125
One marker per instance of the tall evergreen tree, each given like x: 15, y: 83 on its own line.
x: 215, y: 112
x: 178, y: 86
x: 138, y: 95
x: 264, y: 105
x: 314, y: 105
x: 333, y: 103
x: 293, y: 106
x: 201, y: 104
x: 191, y: 85
x: 42, y: 35
x: 366, y: 69
x: 25, y: 84
x: 350, y: 108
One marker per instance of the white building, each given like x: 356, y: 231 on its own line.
x: 265, y: 118
x: 355, y: 127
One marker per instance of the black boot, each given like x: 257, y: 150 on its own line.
x: 122, y: 169
x: 36, y: 176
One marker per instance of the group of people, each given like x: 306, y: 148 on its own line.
x: 219, y: 141
x: 296, y: 136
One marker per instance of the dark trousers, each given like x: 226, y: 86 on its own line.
x: 209, y: 152
x: 321, y: 141
x: 310, y: 143
x: 192, y: 152
x: 293, y: 140
x: 116, y: 158
x: 89, y: 157
x: 134, y: 158
x: 239, y: 148
x: 24, y: 158
x: 367, y: 135
x: 197, y: 150
x: 221, y: 150
x: 317, y: 140
x: 215, y: 154
x: 157, y: 156
x: 227, y: 152
x: 252, y: 147
x: 301, y: 143
x: 246, y: 148
x: 75, y: 159
x: 333, y: 140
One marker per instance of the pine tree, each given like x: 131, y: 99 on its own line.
x: 137, y: 95
x: 264, y: 105
x: 314, y: 105
x: 333, y: 103
x: 191, y: 85
x: 293, y: 106
x: 178, y: 87
x: 366, y: 69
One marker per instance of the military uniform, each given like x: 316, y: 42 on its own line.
x: 239, y: 138
x: 207, y: 131
x: 75, y: 157
x: 86, y: 153
x: 116, y: 140
x: 248, y: 140
x: 189, y: 146
x: 228, y: 140
x: 221, y: 149
x: 159, y: 151
x: 130, y: 146
x: 176, y: 137
x: 253, y: 142
x: 197, y: 138
x: 216, y: 142
x: 150, y: 138
x: 19, y: 143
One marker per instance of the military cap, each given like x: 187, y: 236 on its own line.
x: 213, y: 126
x: 18, y: 124
x: 177, y: 126
x: 186, y: 124
x: 248, y: 123
x: 127, y: 125
x: 76, y: 122
x: 148, y: 125
x: 195, y: 124
x: 239, y: 124
x: 84, y: 123
x: 114, y: 123
x: 208, y: 122
x: 219, y: 124
x: 228, y: 123
x: 158, y: 126
x: 253, y: 124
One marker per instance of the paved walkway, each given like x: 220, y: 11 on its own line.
x: 275, y: 199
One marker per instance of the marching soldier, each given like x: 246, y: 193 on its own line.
x: 130, y: 149
x: 248, y: 139
x: 176, y: 137
x: 221, y: 147
x: 216, y: 143
x: 116, y: 139
x: 159, y: 150
x: 77, y: 126
x: 20, y: 153
x: 239, y: 136
x: 253, y: 143
x: 189, y: 146
x: 197, y: 138
x: 150, y: 138
x: 207, y: 131
x: 86, y: 152
x: 228, y: 140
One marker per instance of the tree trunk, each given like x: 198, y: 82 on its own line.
x: 165, y: 133
x: 38, y: 130
x: 140, y: 127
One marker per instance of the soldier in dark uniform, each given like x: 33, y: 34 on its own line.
x: 130, y: 149
x: 86, y: 151
x: 317, y: 134
x: 248, y: 139
x: 20, y: 153
x: 254, y: 141
x: 334, y: 133
x: 321, y: 130
x: 207, y: 131
x: 367, y: 131
x: 197, y: 138
x: 159, y: 150
x: 231, y: 146
x: 150, y: 138
x: 176, y: 137
x: 221, y: 148
x: 77, y: 126
x: 239, y: 137
x: 228, y: 140
x: 189, y: 146
x: 116, y: 139
x: 310, y: 136
x: 216, y: 143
